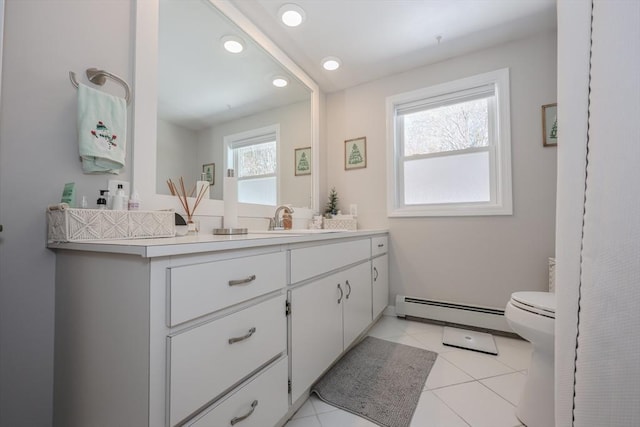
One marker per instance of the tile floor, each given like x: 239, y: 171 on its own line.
x: 464, y: 388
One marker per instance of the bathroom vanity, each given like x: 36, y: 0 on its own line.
x: 208, y: 330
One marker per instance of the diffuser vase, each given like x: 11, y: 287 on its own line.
x: 193, y: 226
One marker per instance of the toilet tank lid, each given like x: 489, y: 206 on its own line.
x: 541, y: 300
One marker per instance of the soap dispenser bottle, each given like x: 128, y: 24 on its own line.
x: 102, y: 200
x: 287, y: 220
x: 134, y: 201
x: 119, y: 198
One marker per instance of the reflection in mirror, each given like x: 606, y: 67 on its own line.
x: 206, y: 94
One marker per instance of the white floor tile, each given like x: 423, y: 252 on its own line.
x: 514, y: 352
x: 412, y: 327
x: 432, y: 340
x: 432, y: 412
x: 320, y: 406
x: 342, y: 418
x: 304, y: 422
x: 387, y: 326
x: 476, y: 364
x: 444, y: 373
x: 407, y: 340
x: 508, y: 386
x: 464, y: 388
x: 478, y: 406
x: 306, y: 410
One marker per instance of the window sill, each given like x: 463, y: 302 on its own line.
x: 450, y: 210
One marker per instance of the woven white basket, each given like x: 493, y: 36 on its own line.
x: 73, y: 225
x: 340, y: 224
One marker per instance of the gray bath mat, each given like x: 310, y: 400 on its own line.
x: 378, y: 380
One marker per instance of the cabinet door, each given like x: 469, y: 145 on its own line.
x: 380, y: 284
x: 357, y: 303
x: 316, y: 330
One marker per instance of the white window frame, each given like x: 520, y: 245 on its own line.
x: 251, y: 137
x: 499, y: 149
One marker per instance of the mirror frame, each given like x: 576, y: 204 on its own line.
x: 145, y: 103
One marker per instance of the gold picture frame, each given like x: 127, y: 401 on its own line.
x: 550, y: 125
x: 355, y: 153
x: 209, y: 170
x: 302, y: 165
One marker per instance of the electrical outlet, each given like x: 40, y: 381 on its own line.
x: 112, y: 186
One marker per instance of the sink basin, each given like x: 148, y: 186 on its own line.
x: 302, y: 231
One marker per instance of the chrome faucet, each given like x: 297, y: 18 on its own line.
x: 275, y: 223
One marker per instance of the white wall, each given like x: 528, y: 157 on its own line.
x: 43, y: 41
x: 177, y: 156
x: 295, y: 132
x: 475, y: 260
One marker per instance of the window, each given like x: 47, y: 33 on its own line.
x: 449, y: 149
x: 254, y: 157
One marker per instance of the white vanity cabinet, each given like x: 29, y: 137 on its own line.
x: 327, y: 313
x: 155, y: 341
x: 205, y: 330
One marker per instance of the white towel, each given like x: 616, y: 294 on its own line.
x: 102, y: 129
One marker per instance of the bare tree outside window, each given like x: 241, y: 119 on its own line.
x: 447, y: 128
x: 256, y: 160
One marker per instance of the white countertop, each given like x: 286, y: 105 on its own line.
x: 204, y: 242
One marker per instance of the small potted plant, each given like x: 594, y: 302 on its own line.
x: 332, y: 204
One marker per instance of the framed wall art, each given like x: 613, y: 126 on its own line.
x: 549, y: 125
x: 303, y: 161
x: 355, y: 153
x: 210, y: 172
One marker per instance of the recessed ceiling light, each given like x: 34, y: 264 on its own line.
x: 232, y: 44
x: 291, y: 15
x: 279, y: 81
x: 331, y: 63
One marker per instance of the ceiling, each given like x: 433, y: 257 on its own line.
x: 377, y: 38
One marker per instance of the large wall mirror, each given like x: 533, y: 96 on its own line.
x: 200, y: 108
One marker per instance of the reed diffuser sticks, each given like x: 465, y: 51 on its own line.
x: 182, y: 195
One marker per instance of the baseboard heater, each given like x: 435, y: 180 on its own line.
x: 462, y: 314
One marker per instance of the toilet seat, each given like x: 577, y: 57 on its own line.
x: 540, y: 303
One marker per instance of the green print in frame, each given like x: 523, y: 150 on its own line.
x: 209, y: 171
x: 550, y: 125
x: 355, y: 153
x: 303, y: 161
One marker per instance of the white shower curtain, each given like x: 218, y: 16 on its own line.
x: 598, y: 231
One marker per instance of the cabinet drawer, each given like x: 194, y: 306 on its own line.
x: 315, y: 260
x: 379, y: 245
x: 265, y: 398
x: 196, y: 290
x: 203, y: 363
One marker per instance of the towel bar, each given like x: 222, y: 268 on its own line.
x: 99, y: 77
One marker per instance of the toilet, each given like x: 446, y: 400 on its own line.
x: 532, y: 316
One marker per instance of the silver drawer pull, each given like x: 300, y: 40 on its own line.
x: 236, y: 420
x: 349, y: 286
x: 244, y: 337
x: 375, y: 270
x: 341, y: 293
x: 380, y: 245
x: 242, y: 281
